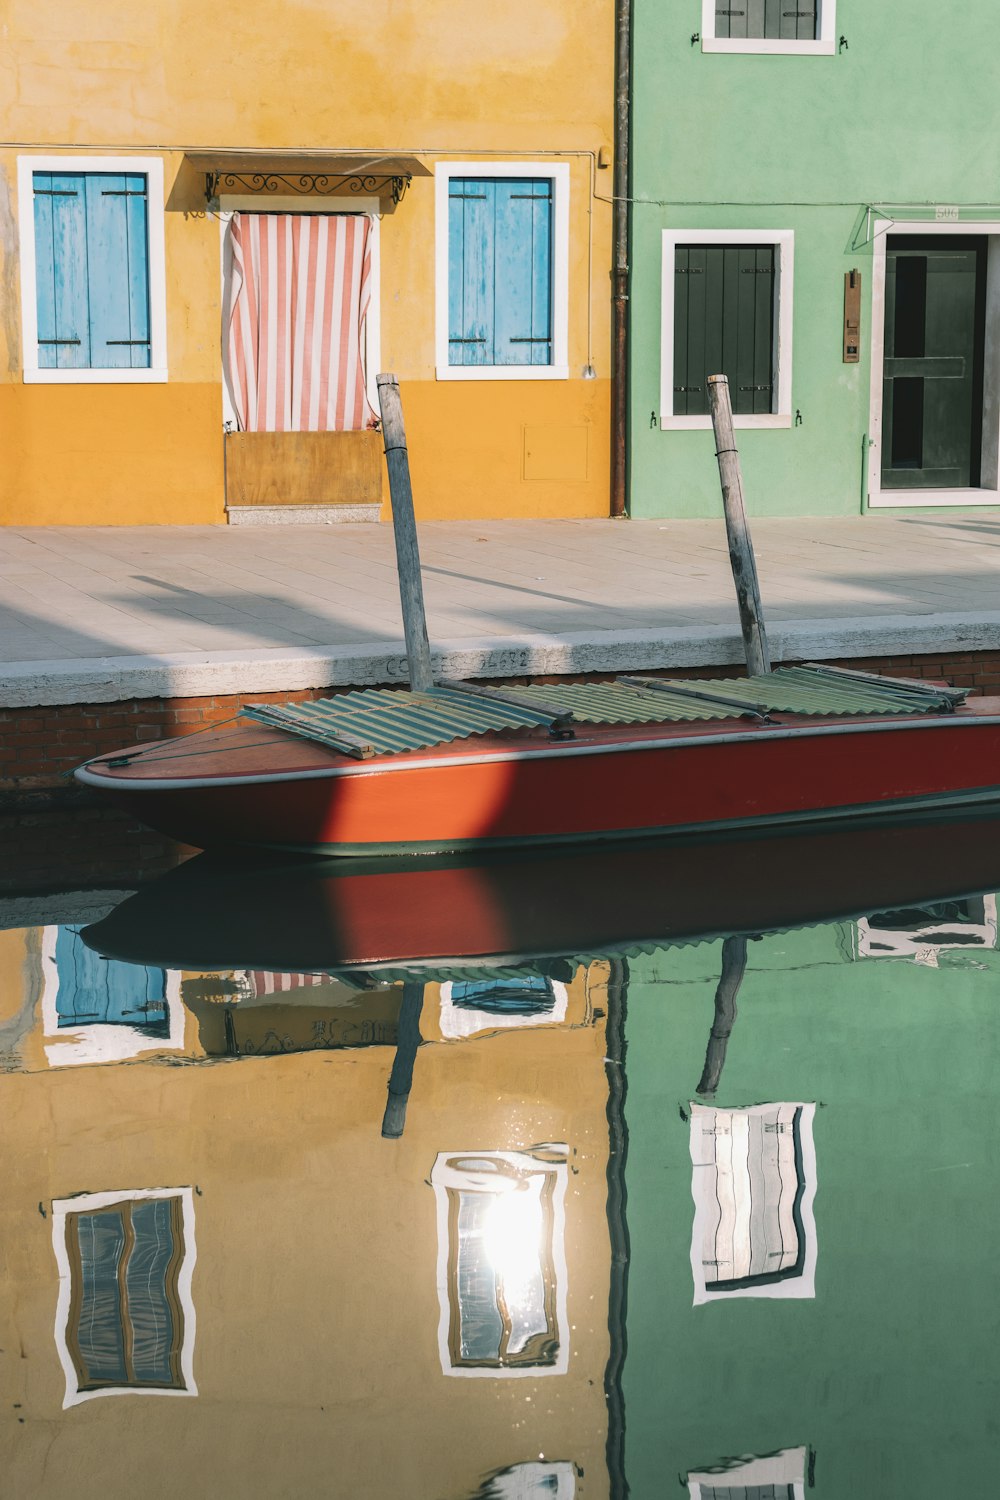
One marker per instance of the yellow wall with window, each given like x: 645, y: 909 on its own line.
x: 434, y: 79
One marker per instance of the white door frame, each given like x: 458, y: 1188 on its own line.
x: 987, y: 491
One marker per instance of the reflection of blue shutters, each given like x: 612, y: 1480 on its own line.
x: 527, y: 995
x: 500, y: 271
x: 127, y: 1328
x: 96, y: 991
x: 92, y: 271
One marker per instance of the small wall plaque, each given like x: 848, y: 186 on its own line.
x: 852, y: 317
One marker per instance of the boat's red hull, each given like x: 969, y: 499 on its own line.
x: 609, y: 784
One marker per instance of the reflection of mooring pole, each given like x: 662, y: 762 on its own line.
x: 734, y: 966
x: 401, y: 1077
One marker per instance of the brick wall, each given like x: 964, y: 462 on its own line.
x: 39, y: 747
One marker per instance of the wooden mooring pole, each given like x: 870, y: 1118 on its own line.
x: 741, y: 558
x: 411, y: 592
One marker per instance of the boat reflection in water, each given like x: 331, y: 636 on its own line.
x: 541, y: 1177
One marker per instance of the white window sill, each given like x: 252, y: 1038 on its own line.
x: 899, y: 499
x: 502, y: 372
x: 769, y: 46
x: 95, y: 377
x: 696, y: 424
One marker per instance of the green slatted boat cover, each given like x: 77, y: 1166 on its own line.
x: 381, y: 721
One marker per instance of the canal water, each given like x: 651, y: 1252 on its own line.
x: 649, y: 1172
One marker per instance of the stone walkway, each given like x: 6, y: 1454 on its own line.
x: 92, y: 614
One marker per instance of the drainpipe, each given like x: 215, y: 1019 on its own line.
x: 619, y: 373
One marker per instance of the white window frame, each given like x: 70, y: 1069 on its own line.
x: 558, y: 174
x: 783, y: 241
x: 988, y: 490
x: 284, y: 203
x: 151, y: 167
x: 924, y: 944
x: 825, y: 44
x: 91, y: 1203
x: 72, y: 1046
x: 444, y: 1176
x: 803, y: 1286
x: 459, y: 1021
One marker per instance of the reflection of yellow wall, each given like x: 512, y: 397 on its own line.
x: 13, y: 971
x: 424, y: 78
x: 316, y: 1355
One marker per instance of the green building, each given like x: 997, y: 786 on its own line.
x: 848, y: 1156
x: 816, y: 214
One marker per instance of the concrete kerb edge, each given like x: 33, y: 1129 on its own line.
x: 191, y: 675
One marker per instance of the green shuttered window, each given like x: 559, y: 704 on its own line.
x: 92, y: 270
x: 777, y: 20
x: 724, y: 314
x: 500, y: 235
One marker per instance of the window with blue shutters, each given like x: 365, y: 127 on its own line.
x: 502, y: 254
x: 92, y: 270
x: 93, y: 293
x: 125, y: 1319
x: 500, y: 271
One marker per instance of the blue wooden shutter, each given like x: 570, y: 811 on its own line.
x: 471, y: 209
x: 118, y: 271
x: 523, y: 276
x: 92, y: 271
x: 500, y: 271
x: 61, y: 271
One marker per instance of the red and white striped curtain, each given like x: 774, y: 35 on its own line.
x: 299, y: 295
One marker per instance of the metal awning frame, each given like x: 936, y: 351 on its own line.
x: 304, y: 175
x: 373, y: 184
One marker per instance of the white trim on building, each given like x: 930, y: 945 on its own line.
x: 784, y: 242
x: 988, y: 490
x: 151, y: 167
x: 825, y: 44
x: 558, y: 174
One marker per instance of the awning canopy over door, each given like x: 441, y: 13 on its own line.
x: 306, y: 172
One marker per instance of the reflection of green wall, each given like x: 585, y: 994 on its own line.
x: 890, y: 1373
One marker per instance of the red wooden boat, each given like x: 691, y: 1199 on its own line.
x: 692, y: 757
x: 454, y: 766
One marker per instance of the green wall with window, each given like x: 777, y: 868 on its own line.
x: 889, y: 1373
x: 743, y: 142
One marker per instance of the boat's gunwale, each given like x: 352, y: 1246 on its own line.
x: 563, y: 750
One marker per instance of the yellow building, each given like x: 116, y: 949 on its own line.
x: 205, y: 223
x: 295, y: 1310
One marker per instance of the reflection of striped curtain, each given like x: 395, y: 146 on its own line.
x: 271, y: 982
x: 295, y: 323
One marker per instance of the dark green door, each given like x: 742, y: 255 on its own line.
x: 932, y: 395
